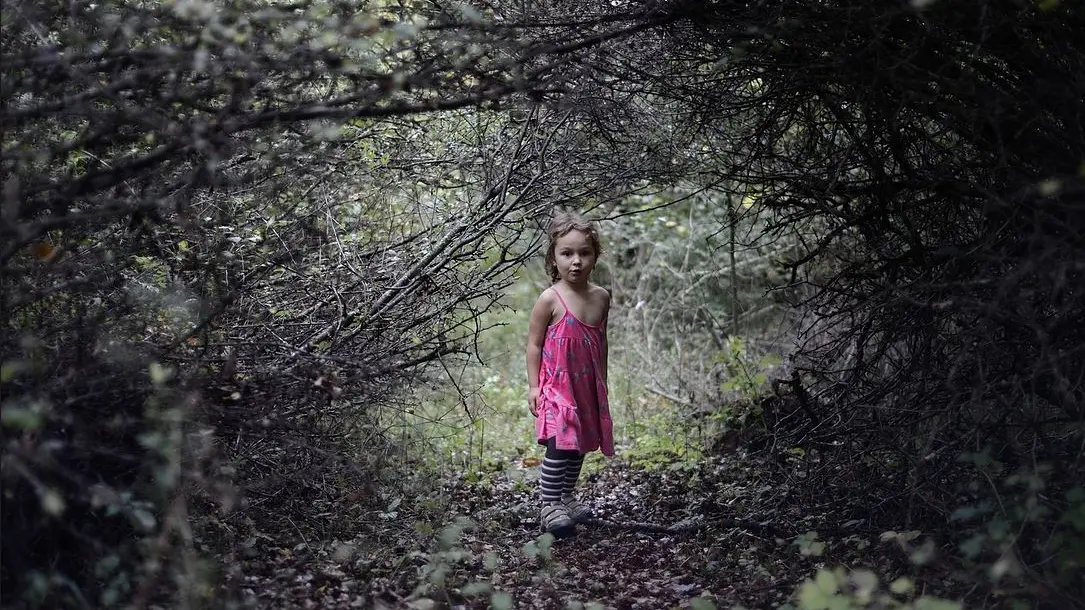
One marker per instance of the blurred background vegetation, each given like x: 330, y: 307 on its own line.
x: 690, y: 338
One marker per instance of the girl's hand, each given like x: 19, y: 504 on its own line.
x: 533, y: 401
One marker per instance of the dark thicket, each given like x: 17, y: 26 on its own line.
x: 930, y: 158
x: 212, y: 279
x: 230, y: 237
x: 937, y: 152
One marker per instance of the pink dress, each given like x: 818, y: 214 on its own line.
x: 573, y: 404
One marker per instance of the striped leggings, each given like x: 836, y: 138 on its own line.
x: 560, y: 470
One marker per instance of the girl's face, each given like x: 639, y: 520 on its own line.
x: 574, y: 257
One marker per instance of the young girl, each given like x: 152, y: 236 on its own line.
x: 567, y: 370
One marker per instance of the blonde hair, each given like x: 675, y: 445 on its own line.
x: 560, y: 226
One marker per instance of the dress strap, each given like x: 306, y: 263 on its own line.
x: 558, y: 292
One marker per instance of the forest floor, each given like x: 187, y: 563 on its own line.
x: 498, y: 559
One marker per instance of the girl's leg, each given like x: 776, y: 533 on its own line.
x: 578, y: 511
x: 554, y: 516
x: 555, y: 467
x: 572, y: 473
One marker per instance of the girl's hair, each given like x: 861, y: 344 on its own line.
x: 560, y: 226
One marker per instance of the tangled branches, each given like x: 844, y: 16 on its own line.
x: 230, y: 236
x: 928, y: 160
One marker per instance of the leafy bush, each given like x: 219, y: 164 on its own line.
x: 841, y: 589
x: 664, y: 441
x: 95, y: 472
x: 180, y: 195
x: 1013, y: 529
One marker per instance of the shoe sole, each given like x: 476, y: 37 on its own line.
x: 562, y: 531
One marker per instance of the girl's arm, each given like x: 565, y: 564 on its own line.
x: 541, y: 314
x: 606, y: 344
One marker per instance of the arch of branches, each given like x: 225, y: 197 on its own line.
x: 250, y: 222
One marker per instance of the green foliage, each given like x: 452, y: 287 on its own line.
x: 257, y: 234
x: 285, y: 264
x: 447, y: 569
x: 107, y: 510
x: 663, y: 441
x: 809, y: 544
x: 702, y: 603
x: 840, y: 589
x: 745, y: 375
x: 540, y: 549
x: 1014, y: 516
x: 689, y: 281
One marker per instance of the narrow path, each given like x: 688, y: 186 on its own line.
x: 632, y: 568
x: 501, y: 554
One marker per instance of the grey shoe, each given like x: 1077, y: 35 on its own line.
x: 578, y: 511
x: 555, y: 520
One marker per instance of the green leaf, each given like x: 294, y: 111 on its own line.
x: 9, y: 369
x: 998, y: 528
x: 1075, y: 495
x: 964, y: 513
x: 811, y: 597
x: 865, y: 580
x: 702, y: 603
x: 546, y: 541
x: 153, y: 440
x: 438, y: 575
x: 110, y: 596
x: 106, y: 566
x: 450, y: 537
x: 21, y: 418
x: 160, y: 374
x: 476, y: 588
x: 973, y: 546
x: 143, y: 519
x: 923, y: 554
x: 826, y: 581
x: 52, y: 503
x: 933, y: 603
x: 902, y: 586
x: 501, y: 601
x: 467, y: 12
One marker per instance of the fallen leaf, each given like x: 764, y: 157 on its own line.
x: 43, y: 250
